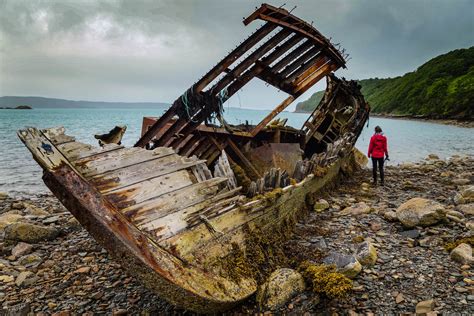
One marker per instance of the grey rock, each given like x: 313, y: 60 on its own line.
x: 346, y: 264
x: 31, y: 233
x: 281, y: 286
x: 412, y: 233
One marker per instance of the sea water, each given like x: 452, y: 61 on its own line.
x: 20, y: 175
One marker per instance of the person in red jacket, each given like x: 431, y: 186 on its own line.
x: 377, y: 150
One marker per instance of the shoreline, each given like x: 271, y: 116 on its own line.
x: 452, y: 122
x: 70, y: 273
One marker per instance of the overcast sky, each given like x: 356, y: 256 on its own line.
x: 154, y: 50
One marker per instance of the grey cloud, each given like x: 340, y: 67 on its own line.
x: 153, y: 50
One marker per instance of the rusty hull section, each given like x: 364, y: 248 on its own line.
x: 176, y: 281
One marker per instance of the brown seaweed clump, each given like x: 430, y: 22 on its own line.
x: 453, y: 244
x: 323, y: 279
x: 263, y: 253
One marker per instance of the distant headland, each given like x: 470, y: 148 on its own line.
x: 12, y: 102
x: 19, y: 107
x: 440, y: 89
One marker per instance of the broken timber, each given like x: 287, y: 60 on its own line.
x: 170, y: 213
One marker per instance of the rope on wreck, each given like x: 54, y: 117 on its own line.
x: 185, y: 102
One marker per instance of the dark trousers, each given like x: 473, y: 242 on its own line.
x: 379, y: 162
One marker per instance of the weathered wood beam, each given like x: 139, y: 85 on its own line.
x: 308, y: 72
x: 315, y: 60
x: 299, y: 61
x: 234, y: 55
x: 261, y: 65
x: 242, y: 157
x: 272, y: 114
x: 247, y: 62
x: 315, y: 77
x: 291, y: 56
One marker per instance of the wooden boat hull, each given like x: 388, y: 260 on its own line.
x: 181, y: 276
x: 169, y: 220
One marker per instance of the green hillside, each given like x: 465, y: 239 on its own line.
x: 441, y: 88
x: 310, y: 104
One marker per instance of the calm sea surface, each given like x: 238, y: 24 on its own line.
x: 20, y: 175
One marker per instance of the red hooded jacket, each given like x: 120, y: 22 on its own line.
x: 378, y: 146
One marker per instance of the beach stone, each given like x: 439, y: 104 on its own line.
x: 462, y: 254
x: 366, y: 254
x: 28, y: 260
x: 425, y: 307
x: 281, y: 286
x: 470, y: 225
x: 25, y: 278
x: 412, y: 233
x: 6, y: 278
x: 466, y: 209
x: 31, y: 233
x: 461, y: 181
x: 21, y: 249
x: 17, y: 205
x: 321, y: 205
x: 390, y: 216
x: 420, y: 212
x: 356, y: 209
x: 345, y: 264
x: 9, y: 218
x: 3, y: 195
x: 22, y: 309
x: 34, y: 210
x: 465, y: 196
x: 432, y: 157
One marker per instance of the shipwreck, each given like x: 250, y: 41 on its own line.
x: 193, y: 188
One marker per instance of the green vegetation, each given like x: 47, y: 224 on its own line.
x: 441, y: 88
x: 310, y: 104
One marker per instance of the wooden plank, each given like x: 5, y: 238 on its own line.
x: 247, y: 62
x: 283, y: 105
x: 173, y: 201
x: 76, y: 150
x: 121, y: 159
x: 128, y: 176
x: 167, y: 226
x: 234, y: 55
x: 242, y: 157
x: 149, y: 189
x: 44, y: 152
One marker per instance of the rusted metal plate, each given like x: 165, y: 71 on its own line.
x: 273, y: 155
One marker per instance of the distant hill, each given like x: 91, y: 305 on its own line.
x: 43, y: 103
x: 311, y: 103
x: 441, y: 88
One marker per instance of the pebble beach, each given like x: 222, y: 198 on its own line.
x: 50, y: 265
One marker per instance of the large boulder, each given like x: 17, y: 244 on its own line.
x: 462, y: 254
x: 30, y: 233
x: 465, y: 196
x: 345, y: 264
x: 420, y: 212
x: 281, y: 286
x: 366, y: 254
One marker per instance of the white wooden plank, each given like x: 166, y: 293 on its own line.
x: 128, y: 176
x: 149, y: 189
